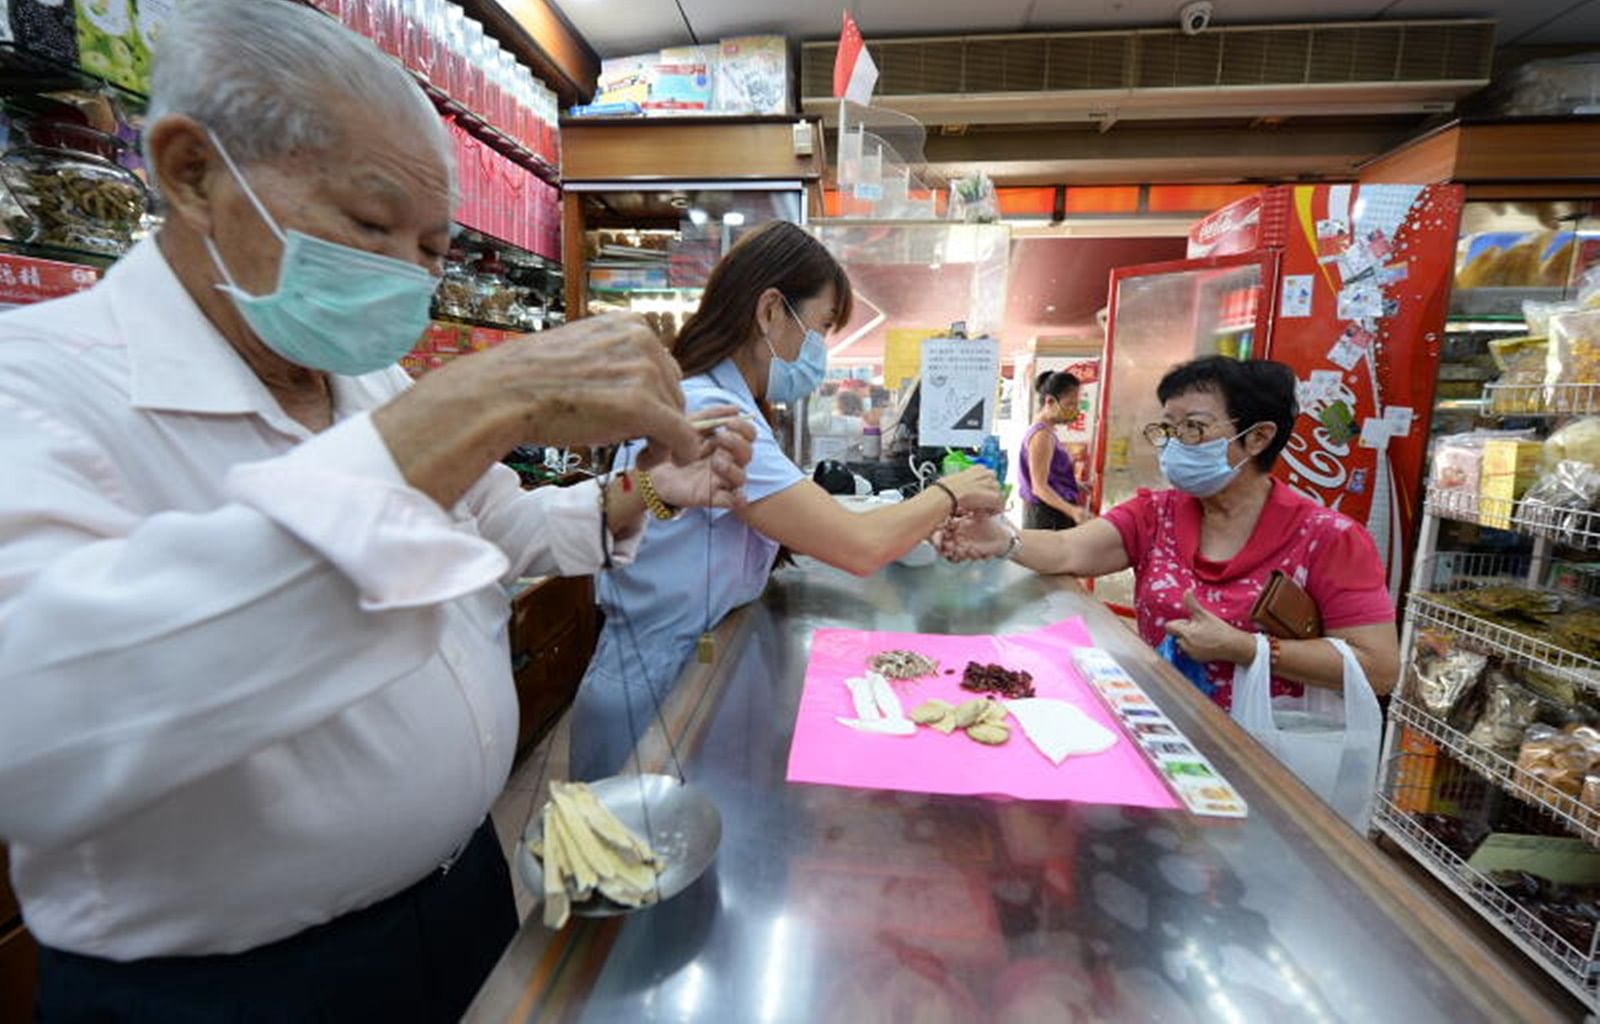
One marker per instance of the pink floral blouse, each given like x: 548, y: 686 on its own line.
x: 1326, y: 552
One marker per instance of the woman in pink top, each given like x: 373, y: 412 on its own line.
x: 1202, y: 551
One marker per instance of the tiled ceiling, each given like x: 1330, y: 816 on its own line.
x: 617, y: 27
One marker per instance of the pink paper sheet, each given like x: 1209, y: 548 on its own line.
x: 826, y: 752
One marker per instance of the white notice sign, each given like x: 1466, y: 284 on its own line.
x: 959, y: 379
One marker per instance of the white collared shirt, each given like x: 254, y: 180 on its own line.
x: 249, y: 679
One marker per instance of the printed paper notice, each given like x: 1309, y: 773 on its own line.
x: 959, y: 379
x: 1345, y: 354
x: 1324, y: 384
x: 1399, y: 419
x: 1375, y: 433
x: 1297, y: 289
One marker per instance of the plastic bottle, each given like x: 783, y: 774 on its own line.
x: 989, y: 455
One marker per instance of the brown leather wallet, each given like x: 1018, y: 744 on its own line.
x: 1285, y: 610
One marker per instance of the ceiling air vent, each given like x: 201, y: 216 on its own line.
x: 1366, y: 67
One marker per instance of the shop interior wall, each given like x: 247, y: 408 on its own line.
x: 1055, y: 287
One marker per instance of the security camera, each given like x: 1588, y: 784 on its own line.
x: 1195, y: 18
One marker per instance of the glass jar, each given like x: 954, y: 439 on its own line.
x: 455, y: 51
x: 472, y: 48
x: 457, y: 294
x: 495, y: 296
x: 66, y: 181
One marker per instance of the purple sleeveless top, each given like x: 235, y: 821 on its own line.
x: 1062, y: 479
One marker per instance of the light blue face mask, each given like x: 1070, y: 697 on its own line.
x: 336, y: 309
x: 791, y: 381
x: 1201, y: 469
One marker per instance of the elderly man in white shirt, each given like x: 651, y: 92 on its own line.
x: 253, y: 668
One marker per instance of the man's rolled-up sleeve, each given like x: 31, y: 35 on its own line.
x: 342, y: 495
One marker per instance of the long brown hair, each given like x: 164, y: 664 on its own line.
x: 777, y: 255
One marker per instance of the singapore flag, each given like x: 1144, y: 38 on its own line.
x: 854, y: 73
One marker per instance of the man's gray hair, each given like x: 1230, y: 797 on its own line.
x: 260, y: 73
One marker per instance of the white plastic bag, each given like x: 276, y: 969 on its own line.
x: 1331, y: 742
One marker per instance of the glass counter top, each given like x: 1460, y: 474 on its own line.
x: 852, y: 905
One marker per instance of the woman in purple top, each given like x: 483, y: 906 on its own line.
x: 1053, y: 503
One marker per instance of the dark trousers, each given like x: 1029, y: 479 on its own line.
x: 419, y: 955
x: 1036, y: 515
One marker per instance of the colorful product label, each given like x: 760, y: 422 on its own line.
x: 1186, y: 771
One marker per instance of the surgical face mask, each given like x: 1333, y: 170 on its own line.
x: 1201, y: 469
x: 336, y: 309
x: 791, y: 381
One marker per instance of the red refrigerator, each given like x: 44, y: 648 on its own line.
x: 1348, y: 284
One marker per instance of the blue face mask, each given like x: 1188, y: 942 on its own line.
x: 336, y: 309
x: 1201, y: 469
x: 790, y: 382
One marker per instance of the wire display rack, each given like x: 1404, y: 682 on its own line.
x: 1424, y: 611
x: 1578, y: 528
x: 1432, y: 607
x: 1469, y: 507
x: 1502, y: 399
x: 1574, y: 528
x: 1501, y: 771
x: 1576, y: 969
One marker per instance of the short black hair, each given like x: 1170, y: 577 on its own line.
x: 1253, y: 391
x: 1055, y: 384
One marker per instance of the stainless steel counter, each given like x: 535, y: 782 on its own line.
x: 853, y: 905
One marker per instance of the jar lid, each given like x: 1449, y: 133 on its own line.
x: 76, y: 138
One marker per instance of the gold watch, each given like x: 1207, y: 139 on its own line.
x: 652, y: 498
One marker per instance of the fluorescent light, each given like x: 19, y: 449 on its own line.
x: 698, y: 216
x: 733, y: 218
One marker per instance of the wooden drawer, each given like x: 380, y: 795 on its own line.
x: 19, y: 973
x: 548, y: 609
x: 549, y: 679
x: 9, y: 910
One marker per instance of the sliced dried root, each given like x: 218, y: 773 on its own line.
x: 584, y: 849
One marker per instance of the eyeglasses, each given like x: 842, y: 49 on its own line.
x: 1190, y: 431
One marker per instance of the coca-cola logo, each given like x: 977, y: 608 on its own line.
x: 1317, y: 470
x: 1226, y: 221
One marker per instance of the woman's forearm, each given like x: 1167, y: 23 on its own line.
x: 1091, y: 549
x: 885, y: 534
x: 1317, y: 663
x: 1046, y: 552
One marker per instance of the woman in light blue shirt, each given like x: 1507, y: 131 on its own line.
x: 756, y: 338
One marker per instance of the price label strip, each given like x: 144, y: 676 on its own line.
x: 1186, y: 771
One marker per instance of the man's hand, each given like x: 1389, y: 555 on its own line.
x: 969, y: 538
x: 601, y: 380
x: 1204, y: 637
x: 597, y: 381
x: 713, y: 480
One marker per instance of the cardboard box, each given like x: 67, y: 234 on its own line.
x: 1508, y: 468
x: 1414, y: 772
x: 752, y: 76
x: 682, y: 81
x: 44, y: 27
x: 442, y: 337
x: 109, y: 46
